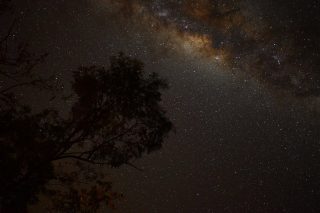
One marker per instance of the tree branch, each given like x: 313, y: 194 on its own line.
x: 19, y: 85
x: 94, y: 162
x: 91, y: 152
x: 81, y: 159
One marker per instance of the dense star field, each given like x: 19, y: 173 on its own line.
x: 243, y: 97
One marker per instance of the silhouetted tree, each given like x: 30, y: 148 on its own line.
x: 17, y: 63
x: 115, y: 117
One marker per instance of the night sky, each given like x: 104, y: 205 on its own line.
x: 244, y: 94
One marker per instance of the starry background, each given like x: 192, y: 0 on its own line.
x: 244, y: 94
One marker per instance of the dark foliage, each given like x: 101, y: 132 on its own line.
x: 116, y: 118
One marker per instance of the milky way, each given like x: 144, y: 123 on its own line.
x: 282, y: 54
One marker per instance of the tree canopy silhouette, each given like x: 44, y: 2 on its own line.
x: 115, y: 117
